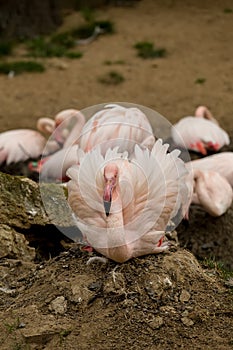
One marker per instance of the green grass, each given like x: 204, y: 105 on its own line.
x: 64, y: 39
x: 146, y: 49
x: 112, y: 78
x: 228, y: 10
x: 40, y: 47
x: 73, y: 54
x: 109, y: 62
x: 200, y: 81
x: 19, y: 67
x: 219, y: 268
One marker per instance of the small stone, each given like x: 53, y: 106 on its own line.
x: 156, y: 323
x: 167, y: 309
x: 187, y: 322
x: 184, y: 296
x: 58, y: 305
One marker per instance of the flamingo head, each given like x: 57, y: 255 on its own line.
x: 110, y: 178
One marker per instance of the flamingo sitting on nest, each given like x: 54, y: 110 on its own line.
x: 22, y: 144
x: 199, y: 133
x: 112, y: 126
x: 123, y: 206
x: 212, y: 192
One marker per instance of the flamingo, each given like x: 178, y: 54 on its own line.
x: 212, y: 191
x: 123, y: 206
x: 199, y: 135
x: 112, y: 126
x: 220, y: 162
x: 22, y: 144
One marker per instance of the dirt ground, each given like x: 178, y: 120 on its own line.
x: 155, y: 302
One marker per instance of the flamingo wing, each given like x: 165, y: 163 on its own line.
x: 55, y: 166
x: 221, y: 163
x: 20, y: 145
x: 212, y: 192
x: 118, y: 124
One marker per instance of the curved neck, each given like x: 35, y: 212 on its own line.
x: 46, y: 125
x: 76, y: 131
x: 204, y: 112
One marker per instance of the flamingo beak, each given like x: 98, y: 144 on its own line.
x: 107, y: 197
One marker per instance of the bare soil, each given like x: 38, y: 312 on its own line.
x: 154, y: 302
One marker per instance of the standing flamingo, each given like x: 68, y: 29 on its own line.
x: 22, y: 144
x: 212, y: 192
x: 221, y: 163
x: 199, y: 135
x: 123, y: 206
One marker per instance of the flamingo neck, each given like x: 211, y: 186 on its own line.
x: 46, y: 125
x: 76, y: 131
x: 115, y: 218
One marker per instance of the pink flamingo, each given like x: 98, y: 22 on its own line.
x: 220, y: 162
x: 123, y: 206
x: 199, y: 135
x: 22, y: 144
x: 113, y: 126
x: 212, y: 192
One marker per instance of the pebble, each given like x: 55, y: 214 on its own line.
x: 58, y: 305
x: 187, y: 322
x: 184, y: 296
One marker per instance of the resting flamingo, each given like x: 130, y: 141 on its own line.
x: 112, y: 126
x: 22, y: 144
x: 220, y: 162
x: 123, y: 206
x: 199, y: 135
x: 212, y: 192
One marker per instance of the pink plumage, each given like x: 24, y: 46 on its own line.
x: 146, y: 195
x: 212, y: 192
x: 199, y: 135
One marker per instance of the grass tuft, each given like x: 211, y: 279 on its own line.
x: 112, y: 78
x: 19, y: 67
x: 146, y: 49
x: 200, y: 81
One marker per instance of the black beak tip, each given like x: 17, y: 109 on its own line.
x: 107, y: 206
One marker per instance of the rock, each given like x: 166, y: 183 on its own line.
x: 26, y: 208
x: 79, y: 287
x: 25, y: 203
x: 14, y: 245
x: 58, y: 305
x: 184, y: 296
x: 187, y: 322
x: 156, y: 322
